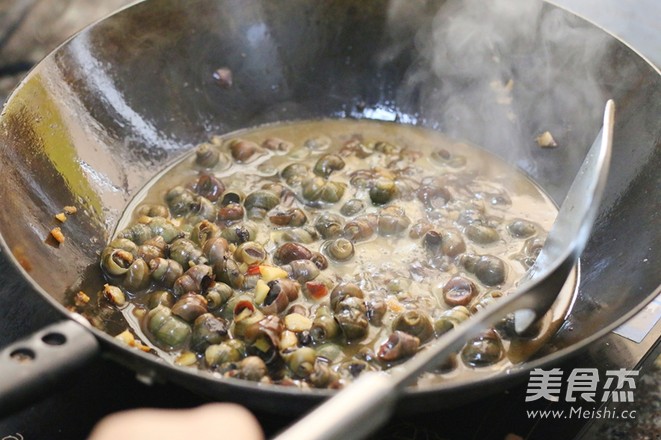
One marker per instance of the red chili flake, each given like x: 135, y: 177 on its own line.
x: 242, y: 305
x: 316, y: 290
x: 253, y: 270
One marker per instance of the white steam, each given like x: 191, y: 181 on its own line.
x: 500, y: 72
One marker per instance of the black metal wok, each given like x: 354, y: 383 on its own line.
x: 93, y: 122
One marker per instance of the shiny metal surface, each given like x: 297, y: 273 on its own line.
x: 32, y: 366
x: 98, y: 117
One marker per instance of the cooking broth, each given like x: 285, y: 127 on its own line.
x: 309, y: 252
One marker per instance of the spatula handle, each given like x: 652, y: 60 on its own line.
x: 358, y: 410
x: 32, y: 366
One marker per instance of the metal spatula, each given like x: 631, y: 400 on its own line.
x: 368, y: 402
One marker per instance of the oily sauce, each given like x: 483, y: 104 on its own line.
x: 445, y: 216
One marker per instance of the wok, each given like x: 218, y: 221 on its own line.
x: 95, y: 120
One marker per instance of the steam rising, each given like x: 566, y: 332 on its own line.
x: 500, y: 72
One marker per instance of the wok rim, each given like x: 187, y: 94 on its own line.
x: 156, y: 364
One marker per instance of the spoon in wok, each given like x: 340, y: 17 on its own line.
x: 366, y: 404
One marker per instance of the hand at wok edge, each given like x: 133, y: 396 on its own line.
x: 224, y: 421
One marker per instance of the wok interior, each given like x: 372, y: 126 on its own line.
x: 101, y: 115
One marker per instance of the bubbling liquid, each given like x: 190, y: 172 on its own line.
x: 305, y: 253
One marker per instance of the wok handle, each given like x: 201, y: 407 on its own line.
x: 33, y: 365
x: 354, y: 413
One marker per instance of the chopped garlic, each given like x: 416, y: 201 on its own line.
x: 57, y: 234
x: 126, y: 337
x: 261, y: 290
x: 545, y: 140
x: 81, y: 299
x: 297, y: 322
x: 270, y: 273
